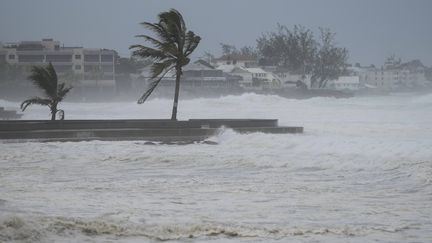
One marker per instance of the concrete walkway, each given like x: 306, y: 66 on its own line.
x: 152, y: 130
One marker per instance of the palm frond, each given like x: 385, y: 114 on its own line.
x: 35, y: 101
x: 192, y: 42
x: 169, y: 48
x: 152, y: 87
x: 147, y: 52
x: 45, y: 78
x: 152, y: 40
x: 62, y: 91
x: 173, y: 22
x: 52, y: 73
x: 157, y: 68
x: 159, y: 30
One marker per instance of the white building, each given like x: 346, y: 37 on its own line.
x: 92, y: 67
x: 351, y: 83
x: 254, y: 78
x: 235, y: 60
x: 392, y: 76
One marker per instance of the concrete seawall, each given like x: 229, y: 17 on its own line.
x: 154, y: 130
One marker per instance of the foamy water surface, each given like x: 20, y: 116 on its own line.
x: 361, y: 172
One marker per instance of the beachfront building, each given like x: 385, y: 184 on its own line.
x: 392, y: 76
x: 345, y: 83
x: 254, y: 78
x: 82, y: 66
x: 237, y: 60
x: 197, y: 76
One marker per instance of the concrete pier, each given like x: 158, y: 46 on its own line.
x: 134, y: 129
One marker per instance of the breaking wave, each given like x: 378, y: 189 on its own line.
x: 41, y: 229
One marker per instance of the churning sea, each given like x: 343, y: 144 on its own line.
x: 361, y: 172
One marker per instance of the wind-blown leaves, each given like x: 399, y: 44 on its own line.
x: 45, y: 78
x: 147, y: 52
x: 152, y: 87
x: 192, y: 42
x: 35, y: 101
x: 62, y: 91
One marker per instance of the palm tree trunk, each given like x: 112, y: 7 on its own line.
x: 176, y: 94
x: 53, y: 112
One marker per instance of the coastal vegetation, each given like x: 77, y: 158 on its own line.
x: 171, y: 48
x: 299, y: 51
x: 46, y: 79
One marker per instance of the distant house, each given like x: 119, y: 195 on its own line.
x: 256, y: 78
x: 351, y: 83
x: 287, y: 78
x: 235, y: 60
x: 199, y: 74
x: 226, y: 68
x: 202, y: 74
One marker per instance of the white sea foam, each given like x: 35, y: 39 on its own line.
x: 361, y: 172
x: 104, y: 228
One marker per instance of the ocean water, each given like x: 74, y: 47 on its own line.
x: 361, y: 172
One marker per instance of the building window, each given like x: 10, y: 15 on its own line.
x: 62, y: 68
x: 77, y: 67
x: 30, y: 58
x: 11, y: 57
x: 107, y: 68
x: 107, y: 58
x: 91, y: 58
x: 59, y: 58
x: 91, y: 68
x: 77, y: 56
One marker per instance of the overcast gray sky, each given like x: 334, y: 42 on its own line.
x: 370, y: 29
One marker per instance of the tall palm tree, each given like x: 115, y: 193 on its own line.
x: 172, y: 46
x: 46, y: 79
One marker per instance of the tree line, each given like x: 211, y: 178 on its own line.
x: 298, y: 51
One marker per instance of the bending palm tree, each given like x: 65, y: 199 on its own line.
x: 46, y: 79
x: 172, y: 46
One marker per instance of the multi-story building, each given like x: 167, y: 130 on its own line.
x: 393, y: 75
x: 89, y: 67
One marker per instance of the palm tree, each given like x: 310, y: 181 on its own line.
x: 46, y: 79
x: 171, y: 49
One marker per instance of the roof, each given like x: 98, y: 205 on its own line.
x: 237, y: 57
x: 226, y: 68
x: 199, y: 65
